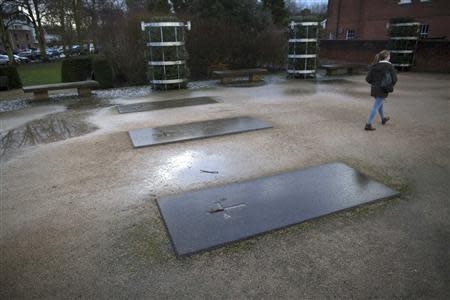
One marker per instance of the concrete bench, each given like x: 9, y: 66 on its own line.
x: 227, y: 75
x: 41, y: 91
x: 332, y: 69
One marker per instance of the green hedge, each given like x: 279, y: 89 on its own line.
x: 303, y: 32
x: 14, y: 81
x: 402, y: 44
x: 83, y: 68
x: 170, y: 34
x: 303, y: 48
x: 402, y: 20
x: 166, y: 53
x: 401, y: 58
x: 301, y: 64
x: 399, y: 31
x: 76, y: 69
x: 103, y: 72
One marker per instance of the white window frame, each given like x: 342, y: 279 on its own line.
x: 347, y: 34
x: 422, y: 32
x: 404, y: 2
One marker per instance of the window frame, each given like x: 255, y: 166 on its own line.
x: 348, y: 36
x: 422, y: 33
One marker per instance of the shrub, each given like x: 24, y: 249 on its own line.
x: 121, y: 40
x: 301, y: 64
x: 76, y: 69
x: 12, y: 74
x: 402, y: 20
x: 103, y: 72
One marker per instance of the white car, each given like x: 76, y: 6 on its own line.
x: 4, y: 59
x: 21, y: 59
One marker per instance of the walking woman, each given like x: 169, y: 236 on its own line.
x: 382, y: 76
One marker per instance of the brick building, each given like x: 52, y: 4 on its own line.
x: 369, y: 19
x: 20, y: 31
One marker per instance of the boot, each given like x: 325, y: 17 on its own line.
x: 384, y: 121
x: 369, y: 127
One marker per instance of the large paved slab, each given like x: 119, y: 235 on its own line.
x: 147, y: 106
x: 191, y: 131
x: 216, y: 216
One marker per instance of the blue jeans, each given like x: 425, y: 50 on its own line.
x: 377, y: 107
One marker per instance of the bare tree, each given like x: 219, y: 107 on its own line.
x: 58, y: 16
x: 8, y: 10
x: 35, y: 10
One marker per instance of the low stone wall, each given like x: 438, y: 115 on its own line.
x: 431, y: 56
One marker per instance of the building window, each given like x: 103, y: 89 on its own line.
x: 28, y: 37
x: 423, y: 30
x: 15, y: 36
x: 404, y: 2
x: 350, y: 35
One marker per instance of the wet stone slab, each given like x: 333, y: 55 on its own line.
x: 191, y: 131
x: 215, y: 216
x: 148, y: 106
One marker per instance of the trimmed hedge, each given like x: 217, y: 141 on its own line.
x: 401, y: 58
x: 402, y: 20
x: 411, y: 30
x: 402, y: 44
x: 82, y: 68
x: 14, y: 81
x: 303, y: 48
x: 302, y: 32
x: 76, y: 69
x: 103, y: 72
x: 166, y: 53
x: 301, y: 63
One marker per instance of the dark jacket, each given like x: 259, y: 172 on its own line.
x: 375, y: 75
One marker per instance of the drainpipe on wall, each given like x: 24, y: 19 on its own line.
x: 338, y: 19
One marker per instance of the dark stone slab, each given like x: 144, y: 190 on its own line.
x: 191, y: 131
x: 147, y: 106
x: 216, y: 216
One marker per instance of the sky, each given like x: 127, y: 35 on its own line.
x: 312, y: 2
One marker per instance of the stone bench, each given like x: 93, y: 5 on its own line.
x: 226, y: 76
x: 332, y: 69
x: 41, y: 91
x: 4, y: 85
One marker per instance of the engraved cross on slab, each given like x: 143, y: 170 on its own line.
x: 221, y: 208
x: 164, y: 134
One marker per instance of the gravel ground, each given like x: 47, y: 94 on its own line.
x: 79, y: 217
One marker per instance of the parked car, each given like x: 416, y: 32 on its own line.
x: 21, y: 59
x: 4, y: 59
x: 25, y: 53
x: 52, y: 53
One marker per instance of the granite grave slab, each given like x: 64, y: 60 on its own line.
x: 196, y: 130
x: 216, y: 216
x: 149, y: 106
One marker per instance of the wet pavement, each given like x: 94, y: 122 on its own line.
x: 144, y: 137
x: 212, y: 217
x: 79, y: 217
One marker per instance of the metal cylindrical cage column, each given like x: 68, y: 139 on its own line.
x: 166, y: 54
x: 402, y: 44
x: 303, y: 49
